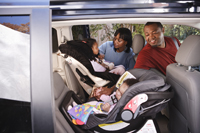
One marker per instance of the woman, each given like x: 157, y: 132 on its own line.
x: 119, y: 50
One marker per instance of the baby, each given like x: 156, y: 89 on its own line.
x: 80, y: 113
x: 110, y: 101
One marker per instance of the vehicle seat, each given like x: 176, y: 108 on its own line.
x: 184, y: 107
x: 82, y: 68
x: 138, y: 44
x: 81, y: 71
x: 60, y: 91
x: 60, y: 66
x: 56, y: 66
x: 121, y: 120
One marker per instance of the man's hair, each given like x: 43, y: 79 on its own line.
x: 130, y: 81
x: 157, y: 23
x: 126, y: 35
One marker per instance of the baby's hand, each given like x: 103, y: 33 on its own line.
x: 106, y: 107
x: 101, y: 56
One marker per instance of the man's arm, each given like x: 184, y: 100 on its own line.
x: 143, y: 61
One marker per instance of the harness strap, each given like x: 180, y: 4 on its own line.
x: 175, y: 42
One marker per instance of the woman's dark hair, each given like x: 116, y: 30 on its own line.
x: 157, y: 23
x: 126, y: 35
x: 131, y: 81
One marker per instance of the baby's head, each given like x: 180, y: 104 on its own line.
x: 128, y: 82
x: 93, y: 44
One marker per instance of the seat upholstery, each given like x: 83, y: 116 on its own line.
x: 73, y: 83
x: 74, y: 64
x: 60, y: 66
x: 57, y: 67
x: 60, y: 91
x: 184, y: 107
x: 138, y: 44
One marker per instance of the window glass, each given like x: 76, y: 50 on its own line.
x: 15, y: 58
x: 180, y: 31
x: 105, y: 32
x: 80, y: 32
x: 15, y: 98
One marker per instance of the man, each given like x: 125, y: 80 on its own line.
x: 159, y: 52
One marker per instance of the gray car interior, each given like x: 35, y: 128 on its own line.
x: 64, y: 70
x: 138, y: 44
x: 184, y: 108
x: 64, y: 97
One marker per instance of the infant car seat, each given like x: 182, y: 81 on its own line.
x: 77, y: 58
x: 122, y: 119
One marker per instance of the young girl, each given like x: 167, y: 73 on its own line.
x: 102, y: 65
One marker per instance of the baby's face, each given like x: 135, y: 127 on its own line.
x: 95, y: 49
x: 120, y: 91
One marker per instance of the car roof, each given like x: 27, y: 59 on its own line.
x: 114, y: 11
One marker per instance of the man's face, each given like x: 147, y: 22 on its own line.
x: 154, y: 35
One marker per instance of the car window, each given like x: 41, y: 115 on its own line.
x: 180, y: 31
x: 105, y: 32
x: 15, y: 97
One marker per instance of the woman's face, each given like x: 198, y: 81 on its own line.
x: 95, y: 48
x: 119, y: 43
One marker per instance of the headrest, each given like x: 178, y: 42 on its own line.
x: 78, y: 51
x: 54, y: 41
x: 188, y: 53
x: 59, y: 85
x: 138, y: 43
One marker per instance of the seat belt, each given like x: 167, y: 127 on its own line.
x: 175, y: 42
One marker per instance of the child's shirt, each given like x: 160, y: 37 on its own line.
x: 112, y: 100
x: 97, y: 67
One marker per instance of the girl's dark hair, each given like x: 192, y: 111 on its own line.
x: 131, y: 81
x: 90, y: 41
x: 82, y: 47
x: 125, y: 34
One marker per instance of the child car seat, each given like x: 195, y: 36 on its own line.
x: 76, y: 58
x: 151, y: 85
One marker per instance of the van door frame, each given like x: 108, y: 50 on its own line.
x: 41, y: 81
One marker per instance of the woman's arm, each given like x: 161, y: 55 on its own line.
x: 130, y: 62
x: 103, y: 47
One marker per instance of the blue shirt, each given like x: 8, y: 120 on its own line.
x: 118, y: 58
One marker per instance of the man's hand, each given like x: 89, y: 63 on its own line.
x: 102, y: 90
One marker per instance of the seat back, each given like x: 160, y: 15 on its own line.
x: 138, y: 44
x: 73, y: 83
x: 78, y: 69
x: 184, y: 108
x: 57, y: 67
x: 60, y: 91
